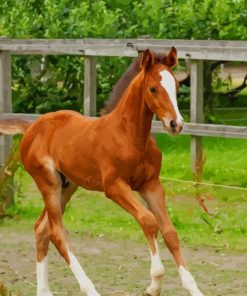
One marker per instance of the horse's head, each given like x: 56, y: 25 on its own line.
x: 160, y: 89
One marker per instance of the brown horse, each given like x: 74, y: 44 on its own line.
x: 114, y: 154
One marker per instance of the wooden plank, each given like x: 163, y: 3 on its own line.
x: 90, y: 86
x: 200, y: 52
x: 111, y: 52
x: 196, y: 111
x: 196, y: 129
x: 207, y: 130
x: 24, y: 116
x: 194, y: 53
x: 6, y: 106
x: 202, y: 49
x: 5, y: 100
x: 120, y: 42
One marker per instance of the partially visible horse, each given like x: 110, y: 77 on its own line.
x: 114, y: 154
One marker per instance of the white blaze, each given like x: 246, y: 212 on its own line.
x: 169, y: 84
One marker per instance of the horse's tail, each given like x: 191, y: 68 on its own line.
x: 12, y: 126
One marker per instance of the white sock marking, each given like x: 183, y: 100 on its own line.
x: 42, y: 278
x: 157, y: 271
x: 169, y: 84
x: 189, y: 282
x: 156, y: 264
x: 85, y: 283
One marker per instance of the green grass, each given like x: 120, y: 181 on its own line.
x: 232, y: 116
x: 226, y: 163
x: 92, y: 214
x: 227, y: 116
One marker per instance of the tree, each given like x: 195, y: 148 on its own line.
x: 57, y: 82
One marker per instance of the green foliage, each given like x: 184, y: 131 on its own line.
x: 7, y: 172
x: 46, y: 84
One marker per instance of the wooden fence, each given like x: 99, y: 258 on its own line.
x: 199, y: 53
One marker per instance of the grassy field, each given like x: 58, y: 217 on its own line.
x: 227, y: 116
x: 92, y: 214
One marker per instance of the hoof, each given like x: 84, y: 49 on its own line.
x: 91, y: 292
x: 189, y: 282
x: 197, y: 293
x: 48, y: 293
x: 155, y: 288
x: 152, y: 292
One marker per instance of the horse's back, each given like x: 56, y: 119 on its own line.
x: 64, y: 141
x: 49, y: 128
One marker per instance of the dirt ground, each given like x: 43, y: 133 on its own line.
x: 118, y: 268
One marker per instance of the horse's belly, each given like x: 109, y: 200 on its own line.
x: 82, y: 172
x: 91, y: 183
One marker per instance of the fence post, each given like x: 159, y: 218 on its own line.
x: 196, y: 110
x: 90, y: 86
x: 5, y: 100
x: 6, y: 107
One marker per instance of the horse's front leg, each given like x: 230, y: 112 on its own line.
x: 121, y: 193
x: 153, y: 193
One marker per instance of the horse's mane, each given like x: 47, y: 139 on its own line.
x: 122, y: 84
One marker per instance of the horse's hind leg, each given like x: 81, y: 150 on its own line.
x: 153, y: 193
x: 49, y: 183
x: 41, y: 229
x: 42, y: 243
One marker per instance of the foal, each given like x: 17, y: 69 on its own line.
x: 114, y: 154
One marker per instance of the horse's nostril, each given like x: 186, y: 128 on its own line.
x: 173, y: 124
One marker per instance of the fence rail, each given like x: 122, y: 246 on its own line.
x: 199, y: 52
x: 194, y: 129
x: 195, y: 49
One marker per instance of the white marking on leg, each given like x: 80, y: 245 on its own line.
x: 189, y: 282
x: 85, y: 283
x: 42, y: 278
x: 156, y: 272
x: 169, y: 84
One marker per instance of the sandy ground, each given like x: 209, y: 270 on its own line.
x: 118, y: 268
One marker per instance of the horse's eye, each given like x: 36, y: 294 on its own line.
x: 153, y: 90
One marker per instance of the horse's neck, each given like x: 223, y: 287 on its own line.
x: 133, y: 112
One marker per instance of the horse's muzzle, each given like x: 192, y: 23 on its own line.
x: 174, y: 127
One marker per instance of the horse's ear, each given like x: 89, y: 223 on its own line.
x: 172, y: 59
x: 147, y: 60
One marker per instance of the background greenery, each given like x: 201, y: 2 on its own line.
x: 42, y: 84
x: 59, y: 84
